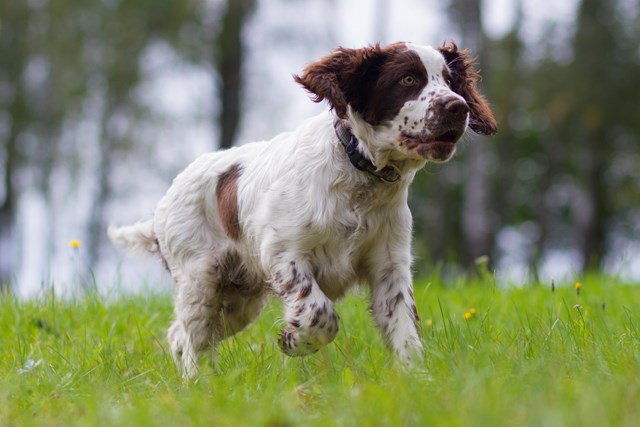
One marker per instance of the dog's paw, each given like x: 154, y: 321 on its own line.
x: 292, y: 343
x: 296, y: 341
x: 309, y: 329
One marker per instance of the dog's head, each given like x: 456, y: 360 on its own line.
x: 403, y: 100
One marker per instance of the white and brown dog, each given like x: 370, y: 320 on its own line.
x: 312, y: 213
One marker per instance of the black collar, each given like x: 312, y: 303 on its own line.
x: 350, y: 143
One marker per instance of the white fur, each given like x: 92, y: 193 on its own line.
x: 138, y: 237
x: 311, y: 227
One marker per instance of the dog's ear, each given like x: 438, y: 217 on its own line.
x: 338, y: 76
x: 464, y: 81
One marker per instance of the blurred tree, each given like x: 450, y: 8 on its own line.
x: 121, y: 32
x: 515, y: 199
x: 14, y: 58
x: 562, y: 122
x: 477, y: 225
x: 458, y: 200
x: 56, y: 97
x: 229, y: 57
x: 564, y: 149
x: 562, y: 171
x: 91, y: 59
x: 598, y: 79
x: 590, y: 102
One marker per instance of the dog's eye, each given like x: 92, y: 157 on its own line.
x: 408, y: 80
x: 448, y: 79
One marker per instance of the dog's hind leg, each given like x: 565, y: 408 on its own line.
x: 243, y: 296
x: 210, y: 306
x: 239, y: 309
x: 197, y: 306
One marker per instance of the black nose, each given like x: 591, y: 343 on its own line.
x: 452, y: 106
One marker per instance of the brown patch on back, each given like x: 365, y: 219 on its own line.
x: 227, y: 197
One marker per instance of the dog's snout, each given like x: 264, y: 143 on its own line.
x: 455, y: 106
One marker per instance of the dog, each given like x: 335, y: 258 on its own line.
x: 312, y: 213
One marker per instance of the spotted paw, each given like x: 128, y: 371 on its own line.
x: 293, y: 344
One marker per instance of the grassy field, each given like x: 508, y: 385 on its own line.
x: 494, y: 357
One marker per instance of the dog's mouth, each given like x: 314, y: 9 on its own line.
x: 438, y: 148
x: 450, y: 137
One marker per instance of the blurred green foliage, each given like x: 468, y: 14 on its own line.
x: 562, y: 173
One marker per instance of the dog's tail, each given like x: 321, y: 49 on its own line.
x: 136, y: 238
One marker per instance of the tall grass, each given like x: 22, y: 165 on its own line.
x: 525, y: 356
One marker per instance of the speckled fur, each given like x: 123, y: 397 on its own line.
x: 297, y: 220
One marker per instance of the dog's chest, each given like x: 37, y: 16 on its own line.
x: 342, y: 251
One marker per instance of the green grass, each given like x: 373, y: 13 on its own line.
x: 528, y: 356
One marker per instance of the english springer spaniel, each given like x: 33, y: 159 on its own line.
x: 312, y: 213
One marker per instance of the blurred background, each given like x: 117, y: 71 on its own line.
x: 103, y: 102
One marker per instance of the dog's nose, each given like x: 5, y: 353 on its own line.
x: 455, y: 106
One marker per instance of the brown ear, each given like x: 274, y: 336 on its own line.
x: 464, y: 79
x: 336, y: 76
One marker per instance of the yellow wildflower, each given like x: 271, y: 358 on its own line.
x: 578, y: 285
x: 467, y: 315
x: 429, y: 322
x: 75, y: 244
x: 473, y: 311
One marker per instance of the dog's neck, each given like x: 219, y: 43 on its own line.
x: 350, y: 143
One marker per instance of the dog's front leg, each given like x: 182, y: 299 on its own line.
x: 393, y: 306
x: 311, y: 318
